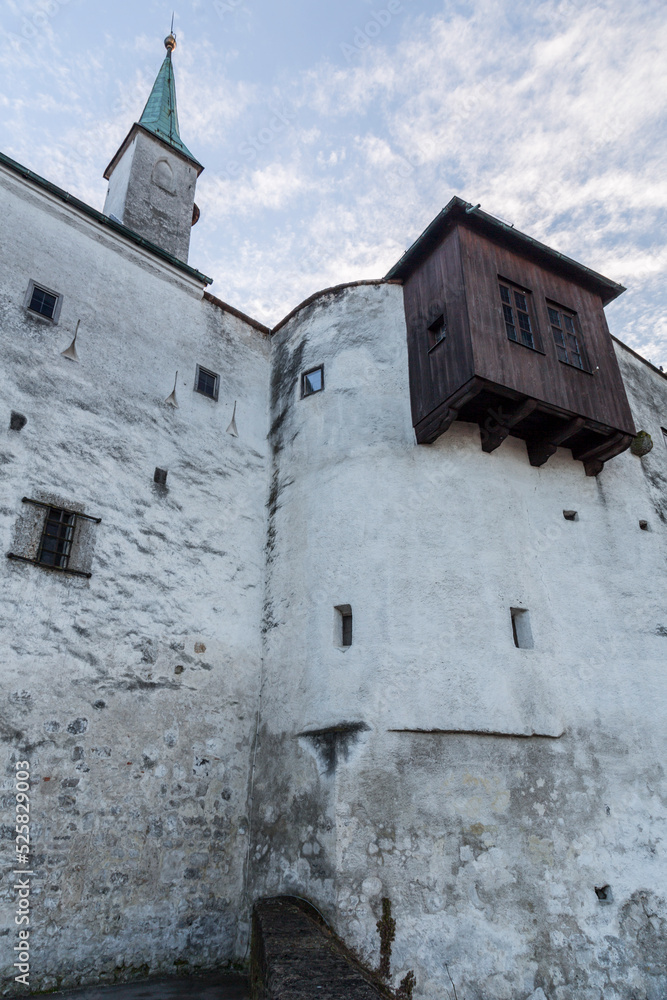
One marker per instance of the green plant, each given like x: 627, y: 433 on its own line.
x: 386, y: 926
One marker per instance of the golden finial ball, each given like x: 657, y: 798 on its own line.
x: 170, y: 43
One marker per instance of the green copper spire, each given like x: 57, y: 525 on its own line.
x: 160, y: 115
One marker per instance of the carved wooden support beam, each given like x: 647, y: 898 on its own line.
x: 499, y: 424
x: 438, y: 421
x: 541, y: 450
x: 594, y: 458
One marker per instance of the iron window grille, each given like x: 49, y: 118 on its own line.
x: 57, y: 535
x: 207, y: 383
x: 517, y: 314
x: 55, y: 546
x: 567, y: 338
x: 43, y: 302
x: 312, y: 381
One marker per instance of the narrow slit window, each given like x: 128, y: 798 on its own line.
x: 312, y: 381
x: 567, y: 338
x: 521, y: 630
x: 664, y: 435
x: 207, y: 383
x: 438, y: 330
x: 519, y: 325
x: 57, y: 535
x: 343, y: 625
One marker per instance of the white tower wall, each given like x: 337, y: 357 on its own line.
x: 132, y: 693
x: 486, y: 790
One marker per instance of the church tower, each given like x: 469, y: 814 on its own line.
x: 152, y: 177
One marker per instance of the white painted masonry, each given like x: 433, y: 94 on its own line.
x: 133, y: 693
x: 486, y: 790
x: 199, y: 738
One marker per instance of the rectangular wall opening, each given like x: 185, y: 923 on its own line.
x: 521, y: 630
x: 343, y: 625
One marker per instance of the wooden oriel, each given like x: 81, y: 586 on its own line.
x: 473, y: 371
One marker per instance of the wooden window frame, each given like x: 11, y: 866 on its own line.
x: 438, y: 331
x: 566, y: 315
x: 513, y: 306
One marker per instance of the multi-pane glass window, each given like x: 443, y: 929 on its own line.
x: 57, y: 536
x: 312, y: 382
x: 516, y: 313
x: 566, y: 337
x: 207, y: 382
x: 43, y: 302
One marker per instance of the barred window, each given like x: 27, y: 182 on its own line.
x: 517, y: 309
x: 54, y: 537
x: 567, y: 338
x: 56, y: 544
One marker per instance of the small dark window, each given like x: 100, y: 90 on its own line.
x: 521, y: 630
x: 160, y: 477
x: 43, y: 302
x: 438, y: 330
x: 567, y: 338
x: 57, y: 535
x: 343, y: 634
x: 312, y: 381
x: 207, y: 383
x: 519, y: 325
x: 664, y: 435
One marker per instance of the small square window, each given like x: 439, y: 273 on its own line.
x: 43, y: 302
x: 207, y: 383
x: 312, y: 381
x: 57, y: 535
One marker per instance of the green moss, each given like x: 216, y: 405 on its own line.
x: 386, y: 926
x: 642, y: 444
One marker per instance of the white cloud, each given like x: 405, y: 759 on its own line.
x: 550, y: 114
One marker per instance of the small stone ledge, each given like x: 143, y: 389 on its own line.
x: 296, y: 956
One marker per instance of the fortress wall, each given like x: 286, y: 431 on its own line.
x: 485, y: 789
x: 133, y: 694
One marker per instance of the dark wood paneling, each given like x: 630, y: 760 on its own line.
x: 478, y: 374
x: 600, y: 396
x: 435, y: 374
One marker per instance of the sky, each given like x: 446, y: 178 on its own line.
x: 332, y: 134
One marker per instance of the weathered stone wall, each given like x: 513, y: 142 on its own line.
x: 152, y: 192
x: 487, y: 790
x: 132, y: 694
